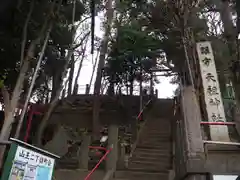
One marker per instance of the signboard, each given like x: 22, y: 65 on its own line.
x: 26, y: 164
x: 212, y: 93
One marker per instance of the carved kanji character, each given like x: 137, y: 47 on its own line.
x: 206, y: 61
x: 210, y: 77
x: 214, y: 101
x: 212, y: 90
x: 205, y: 50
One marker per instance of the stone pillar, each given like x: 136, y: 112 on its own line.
x: 122, y: 154
x: 192, y: 131
x: 112, y: 157
x: 83, y: 152
x: 236, y: 118
x: 58, y: 145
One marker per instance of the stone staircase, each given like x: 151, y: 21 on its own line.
x: 152, y: 158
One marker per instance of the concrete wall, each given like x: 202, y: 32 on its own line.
x: 222, y: 159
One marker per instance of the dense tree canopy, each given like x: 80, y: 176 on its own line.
x: 27, y: 18
x: 140, y: 37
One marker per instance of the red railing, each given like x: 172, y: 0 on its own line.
x: 218, y: 123
x: 31, y: 112
x: 107, y: 151
x: 141, y: 112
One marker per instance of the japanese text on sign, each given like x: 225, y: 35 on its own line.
x: 33, y: 158
x: 212, y: 92
x: 31, y: 165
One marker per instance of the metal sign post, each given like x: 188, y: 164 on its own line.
x: 26, y: 162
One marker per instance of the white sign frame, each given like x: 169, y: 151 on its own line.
x: 32, y: 165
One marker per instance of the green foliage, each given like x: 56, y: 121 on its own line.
x: 132, y: 49
x: 11, y: 37
x: 146, y: 31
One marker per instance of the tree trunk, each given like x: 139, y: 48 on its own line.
x: 103, y: 51
x: 54, y: 101
x: 81, y: 61
x: 70, y: 82
x: 63, y: 75
x: 9, y: 116
x: 231, y: 37
x: 32, y: 83
x: 94, y: 68
x: 131, y: 87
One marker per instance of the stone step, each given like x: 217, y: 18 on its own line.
x: 67, y: 164
x: 145, y: 160
x: 157, y: 128
x: 149, y: 165
x: 158, y: 121
x: 164, y: 156
x: 155, y: 147
x: 152, y: 152
x: 155, y: 143
x: 158, y: 140
x: 149, y: 160
x: 156, y: 131
x: 76, y: 174
x: 147, y: 147
x: 158, y: 136
x: 140, y: 174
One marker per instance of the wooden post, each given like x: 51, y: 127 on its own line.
x: 87, y: 88
x: 112, y: 158
x: 151, y: 85
x: 156, y: 93
x: 84, y: 150
x: 141, y: 91
x: 75, y: 90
